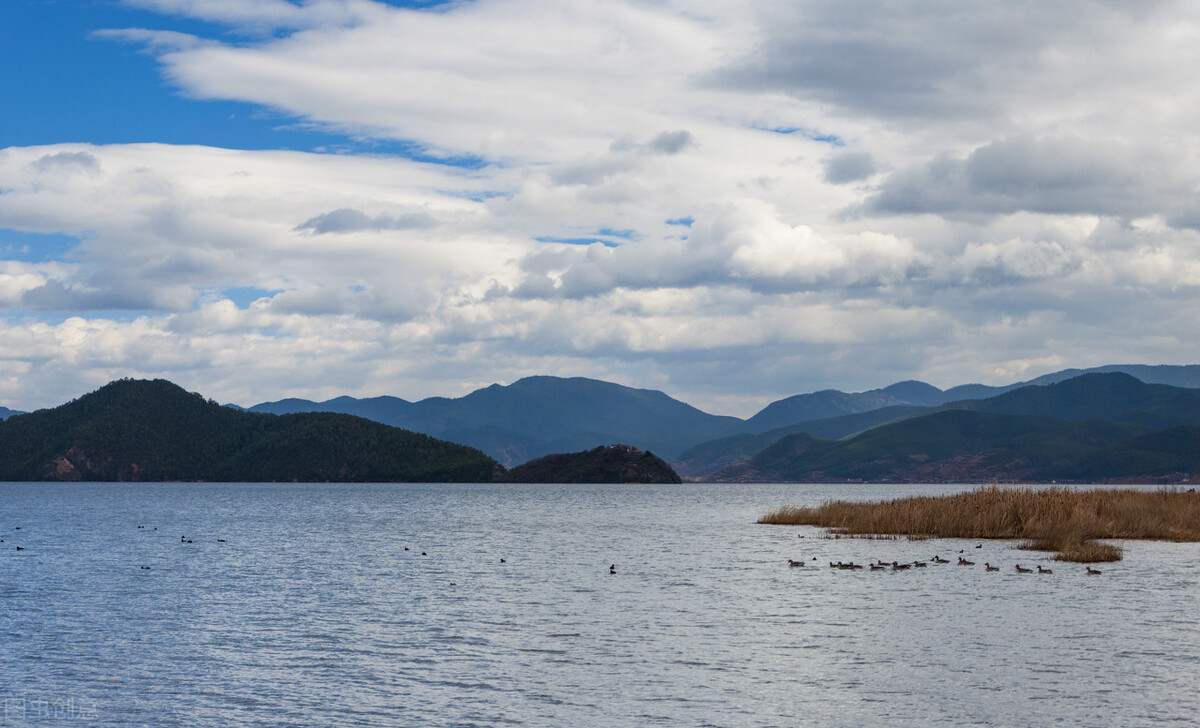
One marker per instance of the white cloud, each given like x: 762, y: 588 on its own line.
x: 857, y: 193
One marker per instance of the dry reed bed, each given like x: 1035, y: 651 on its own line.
x: 1054, y: 519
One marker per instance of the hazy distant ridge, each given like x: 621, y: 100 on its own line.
x: 1093, y: 427
x: 541, y: 415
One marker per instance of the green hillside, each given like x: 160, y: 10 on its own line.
x: 156, y: 431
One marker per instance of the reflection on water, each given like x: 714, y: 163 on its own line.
x: 319, y: 608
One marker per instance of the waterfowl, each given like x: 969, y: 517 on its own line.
x: 1043, y: 571
x: 20, y: 548
x: 790, y: 562
x: 939, y: 560
x: 612, y: 569
x: 1093, y: 572
x: 899, y: 567
x: 147, y: 568
x: 424, y: 554
x: 1023, y: 571
x: 919, y: 564
x: 964, y: 562
x: 502, y: 561
x: 220, y: 540
x: 877, y: 567
x: 989, y: 567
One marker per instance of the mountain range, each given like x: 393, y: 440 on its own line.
x: 1106, y: 427
x: 1098, y: 425
x: 543, y: 415
x: 538, y: 416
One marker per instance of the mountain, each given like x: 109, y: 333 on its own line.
x: 1117, y: 397
x: 5, y: 413
x: 1176, y: 450
x: 703, y: 460
x: 1183, y: 376
x: 613, y: 464
x: 1092, y: 426
x: 832, y: 403
x: 537, y: 416
x: 155, y: 431
x: 948, y: 446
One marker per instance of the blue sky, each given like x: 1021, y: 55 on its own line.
x: 729, y: 202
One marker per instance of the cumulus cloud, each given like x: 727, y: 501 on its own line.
x: 975, y: 184
x: 1066, y: 176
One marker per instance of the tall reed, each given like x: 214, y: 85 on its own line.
x: 1053, y: 519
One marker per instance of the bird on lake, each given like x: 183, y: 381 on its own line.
x: 989, y: 567
x: 920, y: 564
x: 502, y: 561
x: 20, y: 548
x: 1093, y: 572
x: 1043, y: 571
x: 899, y: 567
x: 964, y: 562
x: 612, y: 569
x: 795, y: 563
x: 939, y: 560
x: 1021, y: 570
x: 878, y: 567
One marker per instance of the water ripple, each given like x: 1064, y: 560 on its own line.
x: 311, y: 612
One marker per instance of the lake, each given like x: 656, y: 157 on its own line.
x: 389, y: 605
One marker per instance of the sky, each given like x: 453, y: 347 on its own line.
x: 729, y: 202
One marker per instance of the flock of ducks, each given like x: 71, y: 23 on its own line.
x: 881, y: 565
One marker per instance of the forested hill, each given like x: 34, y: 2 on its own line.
x: 136, y: 430
x: 605, y: 464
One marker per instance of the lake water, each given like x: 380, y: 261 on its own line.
x: 319, y: 608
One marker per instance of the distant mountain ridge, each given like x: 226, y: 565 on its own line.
x: 5, y: 413
x: 1096, y: 426
x: 541, y: 415
x: 538, y: 416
